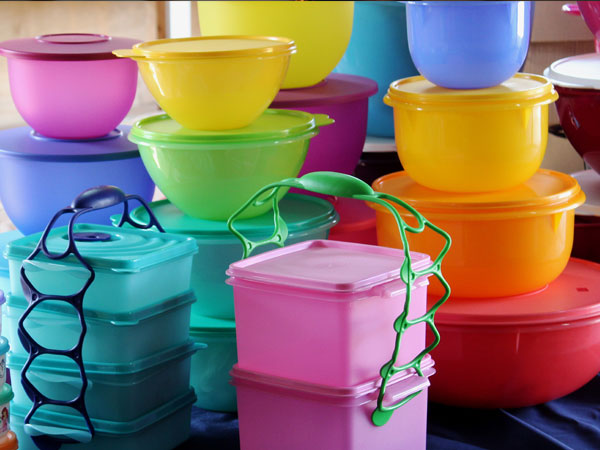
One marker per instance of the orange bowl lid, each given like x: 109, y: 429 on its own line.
x: 9, y: 441
x: 574, y: 295
x: 546, y: 192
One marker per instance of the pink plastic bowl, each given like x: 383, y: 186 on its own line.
x: 66, y: 93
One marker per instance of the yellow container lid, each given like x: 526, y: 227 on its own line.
x: 213, y: 47
x: 521, y: 90
x: 547, y: 192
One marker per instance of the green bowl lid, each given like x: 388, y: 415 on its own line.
x: 272, y: 126
x: 301, y: 213
x: 6, y: 394
x: 200, y: 325
x: 126, y: 249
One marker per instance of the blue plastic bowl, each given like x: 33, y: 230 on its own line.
x: 378, y: 49
x: 468, y: 45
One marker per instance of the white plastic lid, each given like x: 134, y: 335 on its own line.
x: 589, y: 181
x: 581, y: 71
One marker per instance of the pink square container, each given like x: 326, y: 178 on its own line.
x: 322, y: 312
x: 281, y: 413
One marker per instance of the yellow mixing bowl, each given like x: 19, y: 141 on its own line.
x: 320, y: 29
x: 478, y: 140
x: 213, y: 83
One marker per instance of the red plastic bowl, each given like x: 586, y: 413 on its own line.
x: 520, y: 351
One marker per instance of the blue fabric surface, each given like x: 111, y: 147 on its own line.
x: 569, y: 423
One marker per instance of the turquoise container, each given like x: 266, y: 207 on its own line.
x: 116, y: 392
x: 135, y: 269
x: 211, y: 366
x: 5, y: 238
x: 378, y: 49
x: 163, y: 428
x: 110, y: 338
x: 307, y: 218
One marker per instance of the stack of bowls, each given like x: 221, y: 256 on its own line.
x: 471, y: 135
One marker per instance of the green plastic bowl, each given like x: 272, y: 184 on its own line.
x: 210, y: 174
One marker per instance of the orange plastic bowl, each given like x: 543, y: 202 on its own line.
x: 503, y: 243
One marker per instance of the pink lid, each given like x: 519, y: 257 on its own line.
x: 355, y: 215
x: 336, y: 88
x: 333, y: 266
x: 574, y: 295
x: 66, y: 47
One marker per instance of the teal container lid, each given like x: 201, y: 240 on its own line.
x: 6, y: 394
x: 202, y: 325
x: 126, y: 250
x: 5, y: 238
x: 300, y: 212
x: 272, y: 126
x: 4, y: 347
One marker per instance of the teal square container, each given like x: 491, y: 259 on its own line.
x: 307, y: 218
x: 134, y: 268
x: 161, y: 429
x: 211, y: 366
x: 116, y: 392
x: 110, y: 338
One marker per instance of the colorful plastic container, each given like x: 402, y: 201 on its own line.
x: 504, y: 243
x: 320, y: 29
x: 5, y: 238
x: 379, y: 27
x: 30, y: 163
x: 211, y: 366
x: 345, y: 99
x: 357, y: 222
x: 135, y: 269
x: 6, y: 395
x: 307, y: 217
x: 70, y: 85
x: 164, y: 428
x: 4, y: 347
x: 323, y: 311
x: 111, y: 338
x: 9, y: 441
x: 118, y: 392
x: 471, y: 140
x: 209, y: 174
x: 468, y: 45
x: 285, y: 413
x: 520, y: 351
x: 213, y: 83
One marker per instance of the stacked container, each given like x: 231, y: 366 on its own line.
x: 471, y: 136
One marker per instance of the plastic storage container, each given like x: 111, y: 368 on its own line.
x: 118, y: 392
x: 39, y: 176
x: 504, y: 243
x: 320, y: 29
x: 379, y: 27
x: 307, y: 217
x: 6, y: 395
x: 5, y: 238
x: 211, y: 366
x: 345, y: 99
x: 213, y: 83
x: 323, y: 311
x: 468, y: 45
x: 135, y: 269
x: 70, y: 85
x: 282, y: 413
x: 357, y: 222
x: 164, y: 428
x: 110, y: 338
x: 4, y: 347
x: 520, y: 351
x: 209, y: 174
x: 471, y: 140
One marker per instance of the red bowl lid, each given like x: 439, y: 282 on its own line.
x: 66, y: 47
x: 574, y: 295
x: 336, y: 88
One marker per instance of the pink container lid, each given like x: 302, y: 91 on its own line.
x: 336, y: 88
x: 574, y: 295
x: 401, y: 385
x: 66, y: 47
x: 355, y: 215
x: 332, y: 266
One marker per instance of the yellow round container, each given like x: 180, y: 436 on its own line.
x: 321, y: 30
x: 503, y: 243
x: 213, y: 83
x: 476, y: 140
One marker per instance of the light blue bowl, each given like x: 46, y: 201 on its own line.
x: 116, y: 392
x: 378, y: 49
x: 468, y: 44
x: 163, y: 428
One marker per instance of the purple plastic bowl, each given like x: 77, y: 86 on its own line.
x: 344, y: 98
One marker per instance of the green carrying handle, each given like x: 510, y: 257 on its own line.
x: 341, y: 185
